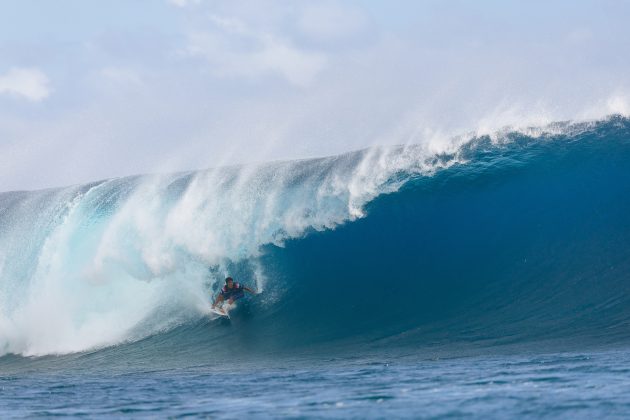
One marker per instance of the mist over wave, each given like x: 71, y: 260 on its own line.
x: 505, y: 238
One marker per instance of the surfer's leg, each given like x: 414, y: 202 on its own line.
x: 218, y: 301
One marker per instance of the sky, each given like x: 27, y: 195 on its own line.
x: 94, y: 90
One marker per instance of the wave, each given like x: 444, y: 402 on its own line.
x: 511, y: 238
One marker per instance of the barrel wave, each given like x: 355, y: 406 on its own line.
x: 515, y: 239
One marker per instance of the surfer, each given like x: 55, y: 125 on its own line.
x: 231, y: 292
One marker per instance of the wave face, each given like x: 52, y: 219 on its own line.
x: 515, y: 238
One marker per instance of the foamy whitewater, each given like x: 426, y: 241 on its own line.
x: 396, y: 281
x: 118, y: 260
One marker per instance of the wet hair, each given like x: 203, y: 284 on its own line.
x: 228, y: 279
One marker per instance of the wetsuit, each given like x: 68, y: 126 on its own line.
x: 235, y: 293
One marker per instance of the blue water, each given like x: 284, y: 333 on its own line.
x: 491, y: 279
x: 531, y: 385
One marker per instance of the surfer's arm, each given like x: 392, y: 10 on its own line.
x: 253, y: 292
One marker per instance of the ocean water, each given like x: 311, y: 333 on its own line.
x: 528, y: 385
x: 489, y: 280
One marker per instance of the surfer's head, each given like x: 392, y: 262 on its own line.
x: 229, y: 282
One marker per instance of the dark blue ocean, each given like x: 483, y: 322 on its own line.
x: 490, y: 280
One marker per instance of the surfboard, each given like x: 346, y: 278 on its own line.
x: 220, y: 312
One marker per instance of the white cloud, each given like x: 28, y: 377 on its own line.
x: 234, y: 49
x: 29, y: 83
